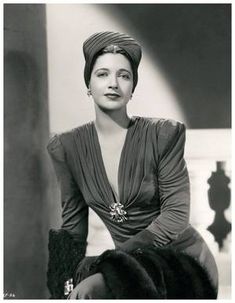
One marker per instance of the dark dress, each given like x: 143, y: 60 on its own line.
x: 153, y: 187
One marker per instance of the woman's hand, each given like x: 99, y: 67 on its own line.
x: 92, y: 287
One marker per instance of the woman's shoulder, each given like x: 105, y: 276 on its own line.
x: 167, y: 133
x: 164, y: 125
x: 62, y: 140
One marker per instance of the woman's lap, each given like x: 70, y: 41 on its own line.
x: 189, y: 242
x: 193, y: 244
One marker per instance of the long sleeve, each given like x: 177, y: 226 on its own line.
x: 74, y: 208
x: 174, y: 190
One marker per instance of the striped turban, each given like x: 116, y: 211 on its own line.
x: 94, y: 45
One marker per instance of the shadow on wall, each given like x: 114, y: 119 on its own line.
x: 193, y: 44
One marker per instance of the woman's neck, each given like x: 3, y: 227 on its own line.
x: 111, y: 122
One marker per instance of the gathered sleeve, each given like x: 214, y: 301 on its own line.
x: 74, y: 208
x: 174, y: 190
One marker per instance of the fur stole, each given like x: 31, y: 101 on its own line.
x: 154, y: 273
x: 149, y: 273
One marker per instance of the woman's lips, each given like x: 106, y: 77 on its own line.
x: 112, y: 96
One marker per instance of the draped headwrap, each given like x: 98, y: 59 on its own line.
x: 98, y: 41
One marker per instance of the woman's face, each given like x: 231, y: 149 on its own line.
x: 111, y: 81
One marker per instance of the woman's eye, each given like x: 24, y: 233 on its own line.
x: 103, y: 74
x: 125, y: 76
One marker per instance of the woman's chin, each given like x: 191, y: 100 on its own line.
x: 112, y: 106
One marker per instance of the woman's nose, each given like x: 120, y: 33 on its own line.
x: 113, y: 83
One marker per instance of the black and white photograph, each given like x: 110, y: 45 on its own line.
x: 117, y: 157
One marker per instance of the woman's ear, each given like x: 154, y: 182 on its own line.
x: 89, y: 92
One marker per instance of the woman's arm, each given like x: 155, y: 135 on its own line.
x: 67, y: 246
x: 74, y: 208
x: 174, y: 190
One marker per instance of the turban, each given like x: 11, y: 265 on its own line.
x: 98, y: 41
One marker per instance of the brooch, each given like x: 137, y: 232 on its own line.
x: 117, y: 212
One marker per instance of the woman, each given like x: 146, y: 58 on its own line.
x: 130, y: 171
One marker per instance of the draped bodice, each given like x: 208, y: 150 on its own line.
x: 152, y: 178
x: 137, y: 175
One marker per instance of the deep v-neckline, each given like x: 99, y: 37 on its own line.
x: 117, y: 196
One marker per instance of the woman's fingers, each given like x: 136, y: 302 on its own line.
x: 74, y: 294
x: 92, y: 287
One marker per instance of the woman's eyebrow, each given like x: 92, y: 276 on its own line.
x: 106, y: 69
x: 125, y: 70
x: 101, y: 68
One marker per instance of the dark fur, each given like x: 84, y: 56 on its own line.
x: 150, y: 273
x: 154, y: 273
x: 64, y: 256
x: 125, y: 276
x: 183, y: 277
